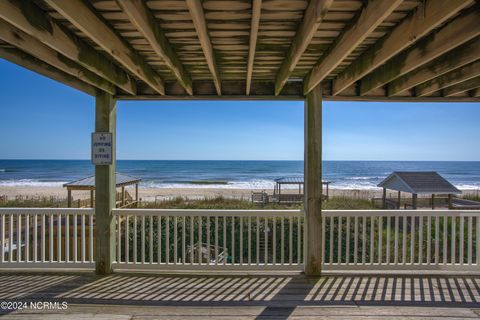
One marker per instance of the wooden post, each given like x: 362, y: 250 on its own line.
x: 136, y: 194
x: 433, y: 201
x: 105, y: 121
x: 69, y: 198
x: 92, y: 200
x: 450, y: 201
x: 313, y: 182
x: 399, y: 199
x: 123, y: 196
x: 414, y: 200
x: 384, y: 198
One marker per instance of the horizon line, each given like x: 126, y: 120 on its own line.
x: 371, y: 160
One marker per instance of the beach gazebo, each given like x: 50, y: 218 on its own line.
x: 395, y: 50
x: 418, y: 183
x: 88, y: 184
x: 300, y: 183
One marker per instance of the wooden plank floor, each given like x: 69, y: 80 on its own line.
x: 127, y: 296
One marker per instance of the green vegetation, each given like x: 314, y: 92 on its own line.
x: 473, y: 197
x: 227, y: 203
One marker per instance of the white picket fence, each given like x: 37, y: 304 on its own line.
x: 243, y: 240
x: 209, y: 239
x: 430, y: 240
x: 42, y: 238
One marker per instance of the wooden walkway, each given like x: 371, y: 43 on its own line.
x: 243, y: 297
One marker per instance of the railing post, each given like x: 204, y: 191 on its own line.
x: 313, y: 182
x: 105, y: 121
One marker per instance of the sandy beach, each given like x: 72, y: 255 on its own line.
x: 152, y: 194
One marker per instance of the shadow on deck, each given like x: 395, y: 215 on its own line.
x: 276, y: 297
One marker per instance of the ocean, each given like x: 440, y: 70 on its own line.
x: 232, y: 174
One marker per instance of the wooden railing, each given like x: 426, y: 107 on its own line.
x: 401, y: 240
x: 42, y: 238
x: 209, y: 239
x: 243, y: 240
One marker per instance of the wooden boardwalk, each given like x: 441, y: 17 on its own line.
x: 125, y: 296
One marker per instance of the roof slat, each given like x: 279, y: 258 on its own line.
x: 370, y: 17
x: 85, y: 19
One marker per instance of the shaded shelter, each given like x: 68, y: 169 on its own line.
x: 295, y: 197
x: 123, y: 198
x: 418, y: 183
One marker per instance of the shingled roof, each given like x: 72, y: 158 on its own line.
x: 419, y: 183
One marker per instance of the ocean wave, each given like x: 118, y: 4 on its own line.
x: 30, y: 183
x: 3, y: 170
x: 354, y: 186
x: 468, y: 186
x: 249, y: 185
x: 364, y: 178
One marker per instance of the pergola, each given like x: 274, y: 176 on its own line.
x: 88, y: 184
x: 298, y: 181
x: 395, y: 50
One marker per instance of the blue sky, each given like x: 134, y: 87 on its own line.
x: 42, y: 119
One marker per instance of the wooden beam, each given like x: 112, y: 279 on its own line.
x: 428, y: 15
x: 367, y: 20
x: 313, y: 182
x: 313, y: 16
x: 29, y: 18
x: 451, y: 78
x: 34, y: 47
x: 143, y: 19
x: 454, y: 59
x: 29, y: 62
x: 198, y: 18
x: 462, y: 87
x: 105, y: 191
x: 475, y: 93
x: 84, y: 18
x: 454, y: 34
x: 256, y: 10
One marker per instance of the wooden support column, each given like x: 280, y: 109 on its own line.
x: 136, y: 194
x: 433, y: 202
x: 384, y: 199
x: 399, y: 198
x: 105, y: 121
x: 69, y: 198
x: 313, y: 182
x: 123, y: 196
x: 92, y: 198
x: 414, y: 201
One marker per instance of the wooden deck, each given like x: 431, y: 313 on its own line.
x: 125, y: 296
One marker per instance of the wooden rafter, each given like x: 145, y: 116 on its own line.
x: 429, y: 15
x: 256, y: 10
x: 312, y: 18
x: 475, y: 93
x: 198, y: 18
x: 31, y: 63
x: 84, y: 18
x: 451, y: 78
x: 450, y: 61
x: 142, y: 18
x: 28, y: 17
x: 34, y: 47
x: 454, y: 34
x: 462, y: 87
x: 370, y: 18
